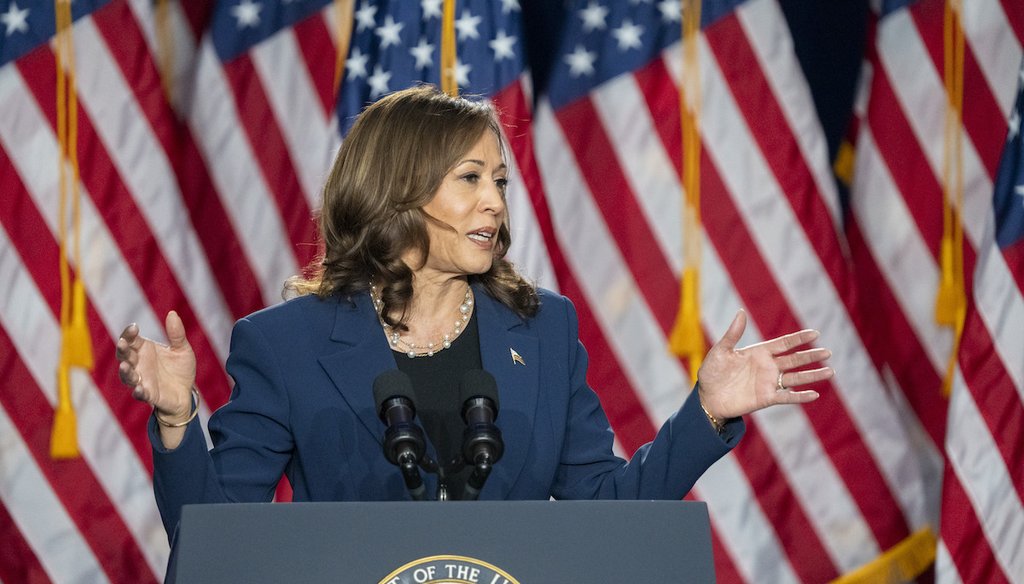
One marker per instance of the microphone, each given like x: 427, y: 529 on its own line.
x: 404, y: 445
x: 482, y: 445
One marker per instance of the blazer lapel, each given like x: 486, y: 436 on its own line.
x: 363, y: 354
x: 509, y: 351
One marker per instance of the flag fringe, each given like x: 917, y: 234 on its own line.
x: 903, y: 562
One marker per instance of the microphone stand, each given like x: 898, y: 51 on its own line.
x: 482, y: 446
x: 476, y: 480
x: 411, y: 476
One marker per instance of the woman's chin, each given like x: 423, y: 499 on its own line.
x: 478, y: 268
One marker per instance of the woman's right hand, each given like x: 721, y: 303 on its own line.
x: 160, y: 375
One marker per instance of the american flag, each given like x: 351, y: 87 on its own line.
x: 983, y: 498
x: 810, y: 493
x: 198, y: 195
x: 895, y: 232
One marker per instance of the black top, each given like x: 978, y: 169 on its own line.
x: 436, y: 382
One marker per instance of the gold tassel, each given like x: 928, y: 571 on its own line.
x: 165, y: 48
x: 904, y: 562
x: 63, y: 436
x: 449, y: 83
x: 76, y: 342
x: 951, y: 297
x: 843, y: 165
x: 687, y: 338
x: 343, y: 28
x: 948, y: 296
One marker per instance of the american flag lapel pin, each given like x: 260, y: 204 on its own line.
x: 516, y: 357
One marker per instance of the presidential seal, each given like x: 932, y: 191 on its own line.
x: 448, y: 570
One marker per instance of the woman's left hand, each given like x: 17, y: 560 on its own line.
x: 733, y: 382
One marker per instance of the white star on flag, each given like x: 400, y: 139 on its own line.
x: 628, y: 35
x: 431, y: 8
x: 671, y: 10
x: 423, y: 52
x: 502, y: 46
x: 247, y: 13
x: 509, y: 6
x: 467, y: 25
x: 1019, y: 189
x: 365, y: 16
x: 379, y: 81
x: 462, y: 73
x: 14, y: 19
x: 356, y: 64
x: 593, y: 17
x: 1014, y: 125
x: 388, y: 32
x: 581, y: 61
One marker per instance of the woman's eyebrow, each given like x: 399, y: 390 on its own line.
x: 501, y: 166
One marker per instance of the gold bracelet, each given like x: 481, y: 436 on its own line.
x: 719, y: 426
x: 195, y: 411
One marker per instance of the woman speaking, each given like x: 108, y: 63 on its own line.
x: 413, y: 278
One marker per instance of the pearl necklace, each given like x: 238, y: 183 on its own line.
x: 412, y: 349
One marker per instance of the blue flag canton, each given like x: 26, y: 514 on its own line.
x: 238, y: 25
x: 397, y: 44
x: 26, y: 24
x: 1008, y: 198
x: 603, y: 39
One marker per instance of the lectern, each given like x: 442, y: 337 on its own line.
x: 501, y: 542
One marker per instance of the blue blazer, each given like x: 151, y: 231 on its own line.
x: 303, y: 405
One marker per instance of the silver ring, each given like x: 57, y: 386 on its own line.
x: 778, y: 383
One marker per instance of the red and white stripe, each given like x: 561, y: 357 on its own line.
x: 810, y: 493
x: 530, y: 254
x: 897, y: 224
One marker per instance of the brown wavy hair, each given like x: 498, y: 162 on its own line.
x: 389, y: 166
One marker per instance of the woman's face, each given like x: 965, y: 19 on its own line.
x: 471, y: 200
